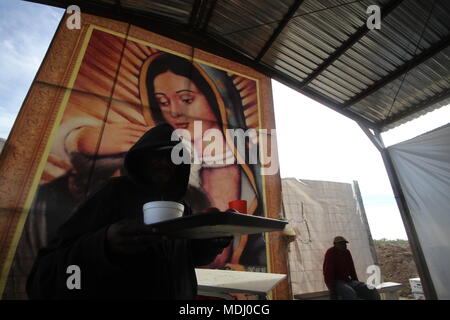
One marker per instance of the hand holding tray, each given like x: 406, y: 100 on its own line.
x: 217, y: 224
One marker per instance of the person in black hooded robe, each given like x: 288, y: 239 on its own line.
x: 119, y: 256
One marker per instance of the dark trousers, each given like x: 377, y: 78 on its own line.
x: 355, y: 290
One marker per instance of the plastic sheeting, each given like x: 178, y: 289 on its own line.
x: 318, y: 211
x: 423, y: 167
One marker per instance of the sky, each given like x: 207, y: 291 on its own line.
x: 314, y: 142
x: 26, y: 30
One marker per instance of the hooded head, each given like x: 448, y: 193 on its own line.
x: 148, y: 164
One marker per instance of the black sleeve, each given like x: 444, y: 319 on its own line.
x: 204, y: 251
x: 80, y: 242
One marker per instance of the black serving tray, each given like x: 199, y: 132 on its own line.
x: 217, y: 224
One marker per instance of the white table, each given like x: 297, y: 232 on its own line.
x: 389, y: 290
x: 219, y: 283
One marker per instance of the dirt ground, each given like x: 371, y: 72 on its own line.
x: 396, y: 263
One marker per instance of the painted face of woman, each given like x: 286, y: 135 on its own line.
x: 182, y: 103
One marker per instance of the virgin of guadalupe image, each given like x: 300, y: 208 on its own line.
x: 180, y: 93
x: 169, y: 89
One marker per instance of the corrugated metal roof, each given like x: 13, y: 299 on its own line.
x: 322, y: 48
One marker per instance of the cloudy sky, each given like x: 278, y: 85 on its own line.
x: 314, y: 142
x: 26, y: 30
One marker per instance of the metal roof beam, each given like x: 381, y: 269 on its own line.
x: 203, y: 41
x: 292, y: 10
x: 200, y: 9
x: 361, y: 32
x: 414, y: 62
x: 373, y: 138
x: 208, y: 14
x: 417, y: 108
x: 195, y: 12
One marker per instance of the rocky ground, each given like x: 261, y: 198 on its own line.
x: 396, y: 263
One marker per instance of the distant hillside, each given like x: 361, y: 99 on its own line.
x: 2, y: 143
x: 396, y: 263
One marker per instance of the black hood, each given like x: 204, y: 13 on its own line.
x: 157, y: 137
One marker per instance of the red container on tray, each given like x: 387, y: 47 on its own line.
x: 239, y: 205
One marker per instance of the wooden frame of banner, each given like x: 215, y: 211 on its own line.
x: 28, y: 146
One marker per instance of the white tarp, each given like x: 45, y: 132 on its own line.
x: 318, y: 211
x: 423, y: 168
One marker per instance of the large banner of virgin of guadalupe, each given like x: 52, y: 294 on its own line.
x: 99, y: 89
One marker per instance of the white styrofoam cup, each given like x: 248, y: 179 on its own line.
x: 157, y: 211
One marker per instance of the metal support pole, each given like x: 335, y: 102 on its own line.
x: 419, y: 258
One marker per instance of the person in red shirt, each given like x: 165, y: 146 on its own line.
x: 340, y: 274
